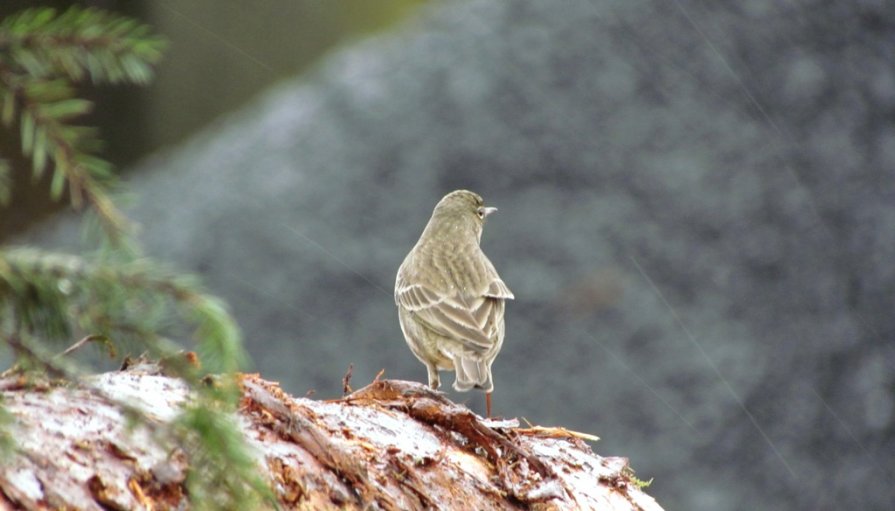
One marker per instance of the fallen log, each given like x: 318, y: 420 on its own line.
x: 392, y: 445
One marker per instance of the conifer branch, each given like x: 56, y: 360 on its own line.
x: 5, y: 183
x: 43, y: 109
x: 54, y: 295
x: 114, y: 295
x: 42, y: 54
x: 79, y: 44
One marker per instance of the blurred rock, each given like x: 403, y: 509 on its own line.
x: 729, y: 167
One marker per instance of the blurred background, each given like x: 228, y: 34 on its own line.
x: 697, y: 212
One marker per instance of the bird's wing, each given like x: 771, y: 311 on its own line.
x: 471, y: 320
x: 497, y: 289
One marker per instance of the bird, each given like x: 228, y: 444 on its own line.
x: 450, y: 299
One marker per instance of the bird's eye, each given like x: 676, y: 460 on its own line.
x: 480, y: 212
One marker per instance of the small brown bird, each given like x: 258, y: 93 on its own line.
x: 450, y: 298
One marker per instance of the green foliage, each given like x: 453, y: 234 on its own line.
x: 57, y: 297
x: 6, y: 441
x: 628, y: 473
x: 111, y: 296
x: 42, y: 55
x: 5, y: 183
x: 80, y: 43
x: 219, y: 460
x: 47, y: 298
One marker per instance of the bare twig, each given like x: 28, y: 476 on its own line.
x: 346, y: 381
x: 555, y: 432
x: 76, y: 346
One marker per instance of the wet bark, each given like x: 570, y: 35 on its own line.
x: 392, y: 445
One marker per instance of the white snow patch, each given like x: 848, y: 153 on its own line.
x: 546, y: 490
x: 379, y: 427
x: 152, y: 394
x: 26, y: 482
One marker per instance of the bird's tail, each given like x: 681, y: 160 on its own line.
x: 472, y: 373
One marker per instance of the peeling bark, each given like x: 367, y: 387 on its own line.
x: 393, y: 445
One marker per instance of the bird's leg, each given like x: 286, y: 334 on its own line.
x: 488, y: 404
x: 434, y: 381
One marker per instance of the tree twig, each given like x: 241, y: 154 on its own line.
x: 346, y: 381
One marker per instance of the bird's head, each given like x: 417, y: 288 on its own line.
x: 462, y: 210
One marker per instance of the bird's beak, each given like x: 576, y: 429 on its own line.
x: 488, y: 211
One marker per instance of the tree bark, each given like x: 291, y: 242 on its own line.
x: 392, y: 445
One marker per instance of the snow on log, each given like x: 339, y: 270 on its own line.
x: 393, y: 445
